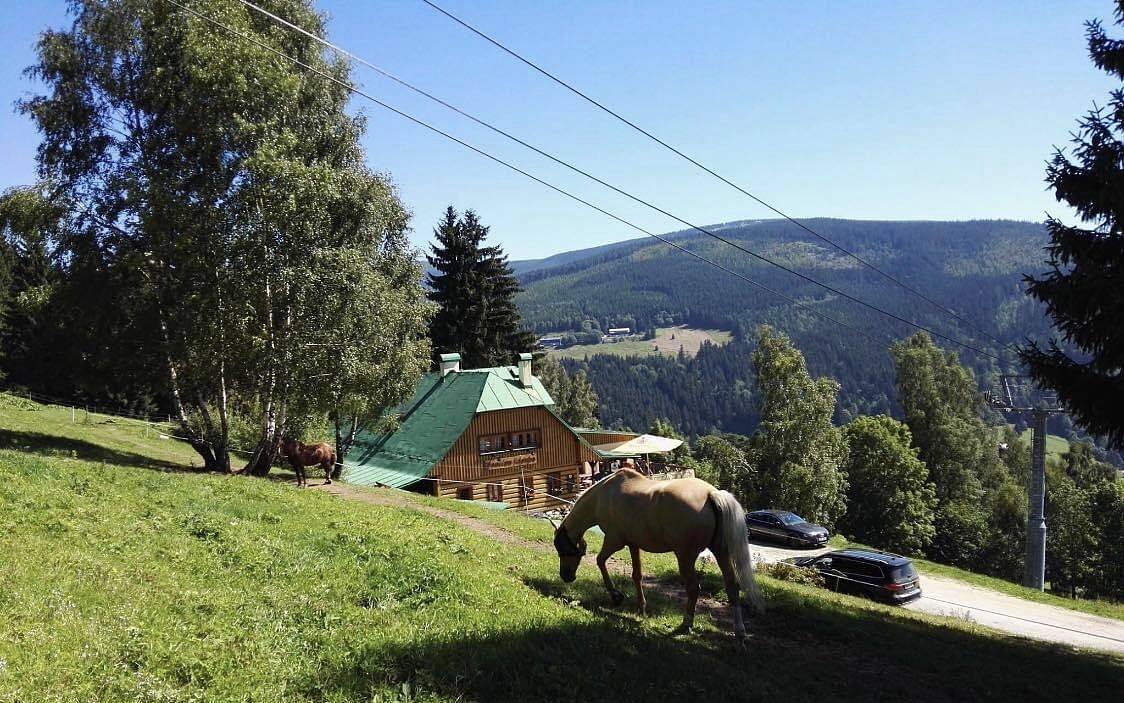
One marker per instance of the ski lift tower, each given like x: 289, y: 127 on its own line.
x: 1016, y: 394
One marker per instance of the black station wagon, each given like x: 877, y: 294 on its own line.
x: 880, y: 575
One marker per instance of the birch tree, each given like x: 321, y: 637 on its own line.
x: 232, y: 183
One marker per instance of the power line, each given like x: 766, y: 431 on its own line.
x: 612, y: 187
x: 710, y: 171
x: 520, y: 171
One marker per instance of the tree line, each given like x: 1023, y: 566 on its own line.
x: 943, y: 482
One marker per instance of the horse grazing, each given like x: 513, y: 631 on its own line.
x: 684, y: 516
x: 301, y: 455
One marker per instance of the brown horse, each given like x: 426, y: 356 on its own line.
x: 301, y: 455
x: 684, y: 516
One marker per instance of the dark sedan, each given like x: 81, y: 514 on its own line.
x: 786, y: 527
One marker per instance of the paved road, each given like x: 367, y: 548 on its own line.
x: 945, y: 596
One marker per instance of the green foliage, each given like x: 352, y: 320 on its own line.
x: 1004, y: 551
x: 977, y: 514
x: 1071, y: 543
x: 1082, y: 291
x: 890, y: 501
x: 1081, y: 466
x: 722, y: 464
x: 574, y: 398
x: 29, y: 221
x: 798, y: 455
x: 960, y: 534
x: 221, y: 225
x: 1106, y: 505
x: 474, y: 290
x: 791, y: 573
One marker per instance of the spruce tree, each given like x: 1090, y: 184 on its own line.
x: 475, y: 290
x: 1082, y: 290
x: 453, y: 287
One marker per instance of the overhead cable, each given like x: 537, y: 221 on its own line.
x: 561, y: 191
x: 695, y: 162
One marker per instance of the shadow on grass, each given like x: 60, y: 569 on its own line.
x: 592, y: 596
x: 803, y: 649
x: 55, y: 446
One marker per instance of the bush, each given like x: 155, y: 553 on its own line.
x: 783, y: 571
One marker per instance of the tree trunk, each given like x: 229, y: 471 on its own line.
x: 344, y: 441
x: 262, y: 459
x: 201, y: 446
x: 222, y: 450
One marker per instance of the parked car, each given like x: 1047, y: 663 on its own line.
x: 879, y: 575
x: 785, y: 527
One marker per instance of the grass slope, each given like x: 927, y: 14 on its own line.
x: 56, y: 431
x: 667, y: 342
x: 1055, y: 445
x: 123, y: 583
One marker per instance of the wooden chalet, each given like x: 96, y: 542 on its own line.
x: 481, y: 434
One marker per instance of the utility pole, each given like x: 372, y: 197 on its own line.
x: 1034, y: 574
x: 1034, y: 565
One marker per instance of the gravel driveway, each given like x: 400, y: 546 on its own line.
x: 949, y: 597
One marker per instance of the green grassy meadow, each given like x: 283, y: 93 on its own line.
x: 126, y: 580
x: 689, y: 338
x: 1055, y: 445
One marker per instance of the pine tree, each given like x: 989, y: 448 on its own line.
x: 453, y: 287
x: 475, y: 290
x: 26, y: 217
x: 1082, y: 290
x: 573, y: 395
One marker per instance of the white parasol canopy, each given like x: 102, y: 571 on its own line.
x: 644, y: 444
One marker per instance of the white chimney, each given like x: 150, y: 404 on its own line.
x: 450, y: 363
x: 525, y: 370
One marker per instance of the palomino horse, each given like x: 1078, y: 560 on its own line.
x: 683, y: 515
x: 301, y: 455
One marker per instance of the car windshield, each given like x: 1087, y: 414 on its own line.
x: 790, y: 518
x: 903, y: 573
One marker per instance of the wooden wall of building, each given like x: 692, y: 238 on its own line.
x: 559, y: 452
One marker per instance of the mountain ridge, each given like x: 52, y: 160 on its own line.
x: 974, y: 267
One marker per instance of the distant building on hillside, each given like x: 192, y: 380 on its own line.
x: 619, y: 331
x: 482, y: 434
x: 551, y: 342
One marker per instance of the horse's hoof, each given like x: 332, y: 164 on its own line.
x: 616, y: 597
x: 328, y: 482
x: 683, y: 629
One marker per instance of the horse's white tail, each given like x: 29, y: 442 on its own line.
x: 736, y: 540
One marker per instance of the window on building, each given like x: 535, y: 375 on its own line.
x: 571, y: 482
x: 495, y: 492
x: 464, y: 493
x: 508, y: 441
x: 554, y: 484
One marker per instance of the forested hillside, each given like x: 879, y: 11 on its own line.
x: 975, y: 268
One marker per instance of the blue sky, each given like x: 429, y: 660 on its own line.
x: 873, y: 110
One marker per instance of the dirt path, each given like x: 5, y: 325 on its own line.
x: 945, y: 596
x: 377, y: 496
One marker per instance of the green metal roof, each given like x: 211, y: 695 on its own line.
x: 502, y: 390
x: 432, y: 420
